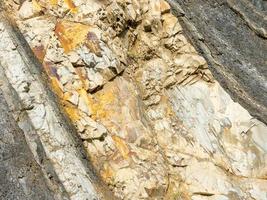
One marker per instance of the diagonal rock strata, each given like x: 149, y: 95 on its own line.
x: 58, y: 143
x: 153, y: 120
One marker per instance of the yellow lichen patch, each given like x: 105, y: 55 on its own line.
x: 100, y: 109
x: 107, y: 172
x: 99, y: 112
x: 121, y: 146
x: 67, y: 95
x: 36, y: 5
x: 53, y: 2
x: 83, y: 94
x: 72, y: 113
x: 71, y: 6
x: 56, y: 86
x: 106, y: 97
x: 71, y: 34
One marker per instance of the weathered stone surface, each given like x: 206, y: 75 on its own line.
x: 20, y: 176
x: 232, y: 38
x: 29, y: 9
x: 154, y: 121
x: 43, y: 117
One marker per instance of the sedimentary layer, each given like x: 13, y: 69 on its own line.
x: 153, y: 120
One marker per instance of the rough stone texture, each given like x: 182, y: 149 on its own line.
x: 232, y: 37
x: 43, y: 117
x: 153, y: 120
x: 20, y: 176
x: 260, y: 4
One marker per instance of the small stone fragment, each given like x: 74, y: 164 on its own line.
x: 92, y: 42
x: 84, y: 104
x: 164, y: 7
x: 72, y: 97
x: 29, y: 9
x: 170, y: 25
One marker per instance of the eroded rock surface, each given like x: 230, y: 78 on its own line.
x: 153, y: 120
x: 231, y: 35
x: 20, y: 176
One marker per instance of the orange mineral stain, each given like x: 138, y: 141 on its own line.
x: 71, y: 6
x: 56, y: 86
x: 72, y: 113
x: 71, y: 34
x: 39, y: 52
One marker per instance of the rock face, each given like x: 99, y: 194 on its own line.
x: 20, y: 176
x: 39, y: 119
x: 234, y: 45
x: 153, y: 120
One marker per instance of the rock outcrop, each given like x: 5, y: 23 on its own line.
x: 153, y: 120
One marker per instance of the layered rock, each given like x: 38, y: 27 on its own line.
x: 153, y: 120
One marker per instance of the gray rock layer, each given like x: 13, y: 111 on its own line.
x: 20, y: 176
x: 230, y: 35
